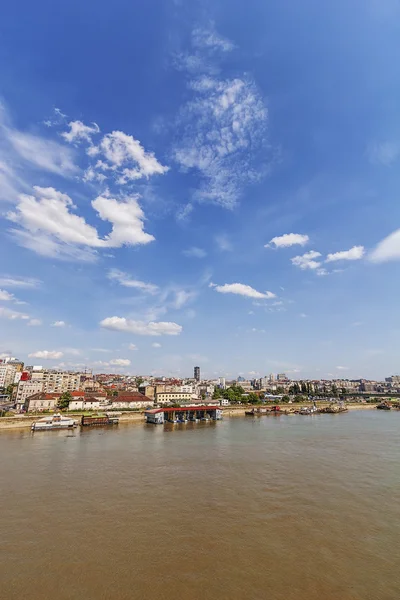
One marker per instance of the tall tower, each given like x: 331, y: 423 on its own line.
x: 197, y: 373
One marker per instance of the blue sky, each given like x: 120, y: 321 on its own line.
x: 201, y: 183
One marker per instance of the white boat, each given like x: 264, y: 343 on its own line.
x: 53, y: 422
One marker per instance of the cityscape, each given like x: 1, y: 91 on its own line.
x: 27, y: 388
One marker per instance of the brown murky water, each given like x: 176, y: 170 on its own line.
x: 285, y: 508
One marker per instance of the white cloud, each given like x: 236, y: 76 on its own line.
x: 140, y: 327
x: 288, y: 239
x: 122, y: 151
x: 182, y: 297
x: 42, y: 153
x: 6, y: 296
x: 47, y: 225
x: 222, y: 132
x: 46, y: 354
x: 223, y: 242
x: 120, y: 362
x: 58, y: 324
x: 91, y: 175
x: 307, y: 260
x: 132, y: 347
x: 78, y: 132
x: 208, y: 38
x: 388, y: 249
x: 12, y: 315
x: 34, y: 322
x: 242, y: 290
x: 184, y: 212
x: 14, y: 281
x: 127, y: 221
x: 355, y: 253
x: 195, y: 252
x: 156, y: 345
x: 383, y: 153
x: 340, y: 368
x: 126, y: 281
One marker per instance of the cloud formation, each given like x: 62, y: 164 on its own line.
x: 126, y: 281
x: 58, y: 324
x: 195, y: 252
x: 307, y: 260
x: 80, y: 132
x: 288, y: 239
x: 46, y: 354
x: 120, y: 362
x: 151, y: 328
x: 355, y: 253
x: 46, y: 224
x: 388, y: 249
x: 242, y: 290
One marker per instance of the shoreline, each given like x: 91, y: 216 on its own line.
x: 25, y: 421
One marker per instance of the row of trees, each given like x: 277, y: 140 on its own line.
x: 236, y: 394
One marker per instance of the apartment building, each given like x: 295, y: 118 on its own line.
x: 7, y: 375
x: 57, y: 381
x: 26, y: 389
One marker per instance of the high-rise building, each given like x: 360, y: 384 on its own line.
x: 197, y: 373
x: 222, y: 383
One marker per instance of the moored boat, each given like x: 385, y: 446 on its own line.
x: 384, y: 406
x: 98, y: 420
x: 51, y: 422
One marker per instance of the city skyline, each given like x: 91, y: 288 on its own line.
x: 204, y: 187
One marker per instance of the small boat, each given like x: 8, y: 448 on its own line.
x: 56, y: 421
x: 249, y: 413
x: 384, y: 406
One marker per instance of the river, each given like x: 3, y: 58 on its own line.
x: 269, y: 508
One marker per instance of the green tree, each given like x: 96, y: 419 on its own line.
x: 252, y: 398
x: 9, y: 389
x: 64, y: 400
x: 139, y: 381
x: 217, y: 393
x: 286, y: 398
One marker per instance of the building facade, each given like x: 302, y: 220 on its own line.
x: 26, y: 389
x: 197, y: 373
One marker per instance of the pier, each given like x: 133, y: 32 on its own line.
x: 183, y: 415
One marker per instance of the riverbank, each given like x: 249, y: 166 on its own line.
x: 25, y: 421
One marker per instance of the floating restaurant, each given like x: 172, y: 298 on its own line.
x: 183, y: 415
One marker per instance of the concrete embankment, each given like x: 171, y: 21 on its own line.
x: 25, y: 421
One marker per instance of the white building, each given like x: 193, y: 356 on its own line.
x: 222, y: 383
x: 7, y: 375
x: 26, y: 389
x: 173, y: 397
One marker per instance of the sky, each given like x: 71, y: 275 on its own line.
x: 201, y: 183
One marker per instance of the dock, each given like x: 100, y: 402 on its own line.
x: 159, y: 416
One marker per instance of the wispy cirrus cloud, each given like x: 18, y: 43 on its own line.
x: 222, y: 128
x: 16, y: 281
x: 195, y: 252
x: 127, y: 281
